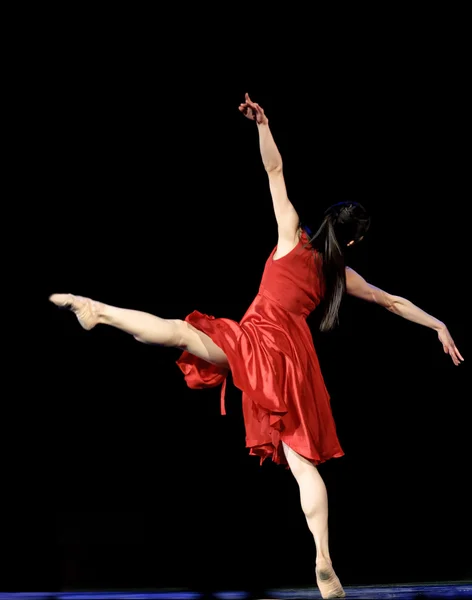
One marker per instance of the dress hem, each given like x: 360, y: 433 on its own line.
x: 268, y: 450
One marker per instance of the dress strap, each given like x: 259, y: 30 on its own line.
x: 222, y: 397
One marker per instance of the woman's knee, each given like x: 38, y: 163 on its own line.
x: 174, y: 334
x: 180, y: 333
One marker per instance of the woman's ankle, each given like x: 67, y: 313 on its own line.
x: 323, y: 561
x: 103, y: 312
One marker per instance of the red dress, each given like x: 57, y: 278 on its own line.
x: 273, y: 361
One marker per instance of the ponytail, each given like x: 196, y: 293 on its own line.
x: 343, y: 223
x: 332, y: 270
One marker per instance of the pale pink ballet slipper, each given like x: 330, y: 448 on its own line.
x: 87, y: 311
x: 328, y: 582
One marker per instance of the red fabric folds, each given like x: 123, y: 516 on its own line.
x: 274, y: 363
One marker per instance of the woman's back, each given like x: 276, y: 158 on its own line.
x: 293, y: 281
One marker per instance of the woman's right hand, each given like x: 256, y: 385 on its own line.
x: 449, y: 346
x: 251, y: 110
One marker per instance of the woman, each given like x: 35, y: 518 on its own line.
x: 270, y: 352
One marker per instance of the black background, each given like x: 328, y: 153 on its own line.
x: 149, y: 193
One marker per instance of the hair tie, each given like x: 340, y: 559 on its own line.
x: 307, y: 229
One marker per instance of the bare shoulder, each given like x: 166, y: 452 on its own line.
x: 354, y: 281
x: 286, y: 243
x: 351, y: 275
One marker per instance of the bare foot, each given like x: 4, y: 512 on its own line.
x: 328, y: 582
x: 87, y: 311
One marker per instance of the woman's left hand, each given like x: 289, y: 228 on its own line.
x: 449, y: 345
x: 251, y: 110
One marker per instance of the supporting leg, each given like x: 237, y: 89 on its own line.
x: 314, y: 501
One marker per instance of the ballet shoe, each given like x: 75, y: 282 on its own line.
x: 87, y: 311
x: 328, y: 582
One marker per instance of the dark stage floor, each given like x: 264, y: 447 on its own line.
x: 423, y: 590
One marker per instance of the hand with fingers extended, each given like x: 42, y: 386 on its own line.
x: 251, y: 110
x: 449, y: 345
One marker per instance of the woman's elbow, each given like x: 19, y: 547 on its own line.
x: 392, y: 303
x: 275, y: 169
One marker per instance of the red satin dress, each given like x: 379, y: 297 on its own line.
x: 274, y: 363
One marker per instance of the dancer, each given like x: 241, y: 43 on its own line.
x: 270, y: 352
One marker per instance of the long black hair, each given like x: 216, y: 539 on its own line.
x: 343, y: 223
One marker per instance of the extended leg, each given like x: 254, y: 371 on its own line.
x: 314, y: 501
x: 144, y: 327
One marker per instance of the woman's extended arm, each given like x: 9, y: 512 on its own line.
x: 287, y: 218
x: 358, y: 286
